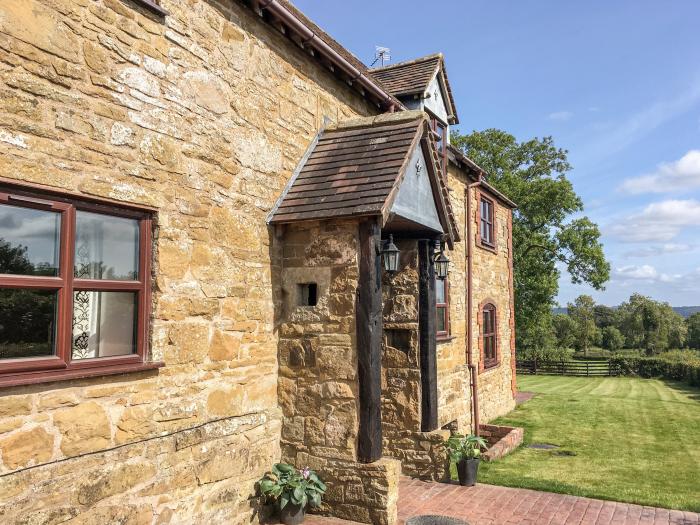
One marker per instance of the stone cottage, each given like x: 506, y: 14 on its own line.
x: 224, y: 243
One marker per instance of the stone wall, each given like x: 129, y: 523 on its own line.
x: 318, y: 380
x: 492, y: 281
x: 422, y: 454
x: 202, y: 116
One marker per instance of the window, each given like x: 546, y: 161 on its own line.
x: 152, y: 5
x: 442, y: 303
x: 486, y: 222
x: 488, y: 334
x: 440, y: 131
x: 308, y: 294
x: 74, y: 288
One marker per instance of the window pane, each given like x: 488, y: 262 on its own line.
x: 104, y: 324
x: 106, y: 247
x: 29, y: 241
x: 441, y: 319
x: 27, y: 323
x: 440, y: 291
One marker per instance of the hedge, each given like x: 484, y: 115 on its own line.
x: 686, y: 371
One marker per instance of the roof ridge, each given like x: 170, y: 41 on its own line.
x: 383, y: 119
x: 408, y: 62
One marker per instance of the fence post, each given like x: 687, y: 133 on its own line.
x: 534, y: 366
x: 587, y: 369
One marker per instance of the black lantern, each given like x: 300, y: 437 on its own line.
x: 442, y: 263
x: 390, y: 254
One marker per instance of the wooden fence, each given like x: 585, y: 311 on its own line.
x: 568, y: 368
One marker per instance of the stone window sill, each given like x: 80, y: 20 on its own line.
x: 488, y: 247
x: 490, y: 368
x: 445, y: 338
x: 33, y: 378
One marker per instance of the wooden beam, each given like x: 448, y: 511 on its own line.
x: 427, y: 329
x: 369, y: 342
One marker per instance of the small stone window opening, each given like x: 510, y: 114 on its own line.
x: 399, y: 339
x: 308, y: 294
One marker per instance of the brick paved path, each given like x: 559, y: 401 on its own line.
x: 492, y: 505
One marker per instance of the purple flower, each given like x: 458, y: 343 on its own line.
x: 305, y: 473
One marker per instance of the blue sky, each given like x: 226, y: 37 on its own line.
x: 615, y: 83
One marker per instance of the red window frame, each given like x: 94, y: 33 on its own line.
x: 443, y: 334
x: 60, y: 366
x: 489, y: 336
x: 486, y: 222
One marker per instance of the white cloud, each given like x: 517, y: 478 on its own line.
x: 648, y: 273
x: 643, y: 272
x: 658, y: 222
x: 560, y: 115
x: 683, y: 174
x: 660, y: 249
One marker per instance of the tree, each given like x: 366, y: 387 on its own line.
x: 604, y: 316
x: 612, y: 338
x: 585, y: 330
x: 545, y: 235
x: 693, y: 325
x: 651, y: 325
x: 564, y: 330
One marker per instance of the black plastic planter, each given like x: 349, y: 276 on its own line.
x: 292, y: 514
x: 467, y: 470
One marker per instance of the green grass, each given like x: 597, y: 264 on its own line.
x: 634, y: 440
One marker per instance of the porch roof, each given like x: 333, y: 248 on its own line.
x: 356, y: 169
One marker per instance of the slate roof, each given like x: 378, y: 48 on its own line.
x: 414, y: 76
x: 356, y: 169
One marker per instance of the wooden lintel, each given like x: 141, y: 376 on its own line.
x: 369, y: 342
x: 427, y: 340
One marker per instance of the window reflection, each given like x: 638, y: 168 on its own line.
x: 29, y: 241
x: 27, y: 323
x: 106, y: 247
x: 103, y: 324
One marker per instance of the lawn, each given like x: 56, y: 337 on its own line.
x: 623, y: 439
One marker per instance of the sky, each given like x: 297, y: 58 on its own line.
x: 616, y: 83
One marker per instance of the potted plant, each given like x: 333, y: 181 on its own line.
x: 465, y: 451
x: 292, y: 491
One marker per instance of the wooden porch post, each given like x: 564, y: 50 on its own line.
x: 369, y: 342
x: 427, y: 330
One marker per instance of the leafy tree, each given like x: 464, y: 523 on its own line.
x: 605, y: 316
x: 651, y: 325
x: 612, y: 338
x: 564, y: 330
x: 586, y: 332
x: 693, y: 326
x: 13, y: 259
x: 545, y: 235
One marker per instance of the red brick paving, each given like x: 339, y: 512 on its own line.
x: 492, y: 505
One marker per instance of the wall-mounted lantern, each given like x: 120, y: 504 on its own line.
x: 390, y: 255
x: 442, y: 263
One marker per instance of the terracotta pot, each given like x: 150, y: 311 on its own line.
x: 292, y: 514
x: 467, y: 470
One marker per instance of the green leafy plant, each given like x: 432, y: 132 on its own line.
x: 461, y: 447
x: 285, y: 484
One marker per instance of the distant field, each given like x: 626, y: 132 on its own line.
x: 623, y: 439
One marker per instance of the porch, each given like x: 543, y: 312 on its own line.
x: 492, y: 505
